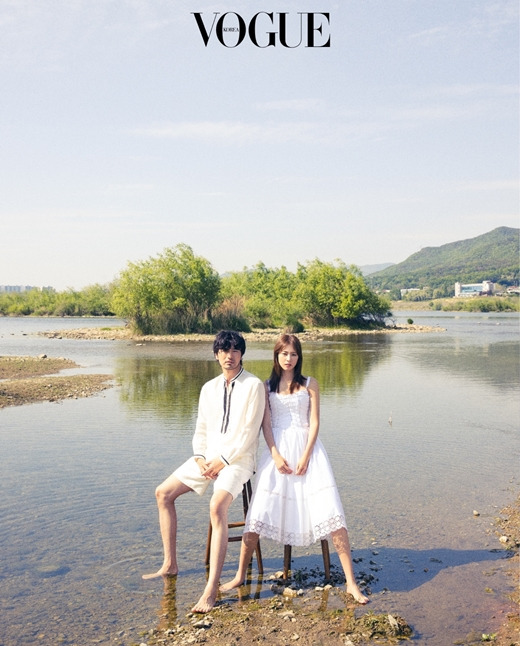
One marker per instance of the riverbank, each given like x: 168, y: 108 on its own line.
x: 285, y: 619
x: 508, y: 533
x: 314, y: 334
x: 495, y: 304
x: 27, y: 380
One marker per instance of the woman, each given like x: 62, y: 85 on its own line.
x: 296, y: 501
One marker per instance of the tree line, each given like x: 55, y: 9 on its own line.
x: 180, y: 292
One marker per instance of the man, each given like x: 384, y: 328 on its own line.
x: 225, y: 443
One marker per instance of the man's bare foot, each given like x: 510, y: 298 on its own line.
x: 234, y: 583
x: 162, y: 572
x: 355, y: 592
x: 204, y: 604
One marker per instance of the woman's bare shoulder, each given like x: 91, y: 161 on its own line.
x: 312, y: 384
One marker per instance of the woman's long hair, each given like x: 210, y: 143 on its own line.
x: 276, y: 373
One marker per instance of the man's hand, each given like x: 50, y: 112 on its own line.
x: 212, y: 468
x: 202, y: 464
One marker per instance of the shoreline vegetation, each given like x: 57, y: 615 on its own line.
x: 482, y: 304
x: 20, y: 308
x: 180, y: 292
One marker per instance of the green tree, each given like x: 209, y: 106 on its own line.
x: 95, y: 300
x: 267, y: 294
x: 68, y: 303
x: 333, y: 294
x: 357, y: 301
x: 174, y: 292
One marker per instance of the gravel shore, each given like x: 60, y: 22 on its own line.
x: 314, y: 334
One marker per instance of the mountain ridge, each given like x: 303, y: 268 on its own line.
x: 490, y: 256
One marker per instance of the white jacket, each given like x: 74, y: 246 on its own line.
x: 229, y: 420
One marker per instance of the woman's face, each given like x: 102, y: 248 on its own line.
x: 288, y: 357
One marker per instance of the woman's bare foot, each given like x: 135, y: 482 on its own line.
x: 234, y: 583
x: 355, y: 592
x: 162, y: 572
x: 204, y: 604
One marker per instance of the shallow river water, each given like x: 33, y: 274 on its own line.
x: 421, y: 430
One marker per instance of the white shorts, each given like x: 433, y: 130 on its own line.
x: 230, y: 479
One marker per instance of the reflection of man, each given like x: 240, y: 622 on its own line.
x: 225, y: 443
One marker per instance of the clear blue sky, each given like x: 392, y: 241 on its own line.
x: 121, y: 134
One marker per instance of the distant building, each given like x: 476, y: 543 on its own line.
x: 485, y: 288
x: 19, y: 289
x: 410, y: 289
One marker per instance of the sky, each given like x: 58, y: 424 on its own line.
x: 122, y: 133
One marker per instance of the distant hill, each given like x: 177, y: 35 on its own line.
x: 492, y: 256
x: 366, y: 270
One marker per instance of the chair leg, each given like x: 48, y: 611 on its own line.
x: 326, y: 557
x: 286, y: 561
x: 259, y: 562
x: 287, y: 552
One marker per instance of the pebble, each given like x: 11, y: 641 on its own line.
x: 476, y: 513
x: 203, y: 623
x: 393, y: 621
x: 289, y: 592
x: 503, y: 539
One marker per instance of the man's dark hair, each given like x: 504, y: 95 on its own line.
x: 227, y: 339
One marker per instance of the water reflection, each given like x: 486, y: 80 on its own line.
x: 344, y: 364
x: 168, y: 608
x: 168, y: 384
x: 164, y: 385
x: 493, y: 363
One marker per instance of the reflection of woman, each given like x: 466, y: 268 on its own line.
x: 296, y: 501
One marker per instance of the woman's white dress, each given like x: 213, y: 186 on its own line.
x: 290, y: 509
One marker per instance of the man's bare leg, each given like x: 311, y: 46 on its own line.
x: 219, y: 507
x: 247, y: 547
x: 342, y: 545
x: 166, y: 493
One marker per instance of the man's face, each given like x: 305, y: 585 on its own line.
x: 229, y: 359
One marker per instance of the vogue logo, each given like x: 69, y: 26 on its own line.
x: 267, y: 29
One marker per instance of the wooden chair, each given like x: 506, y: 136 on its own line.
x: 247, y: 492
x: 287, y: 550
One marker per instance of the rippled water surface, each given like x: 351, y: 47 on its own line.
x: 421, y: 430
